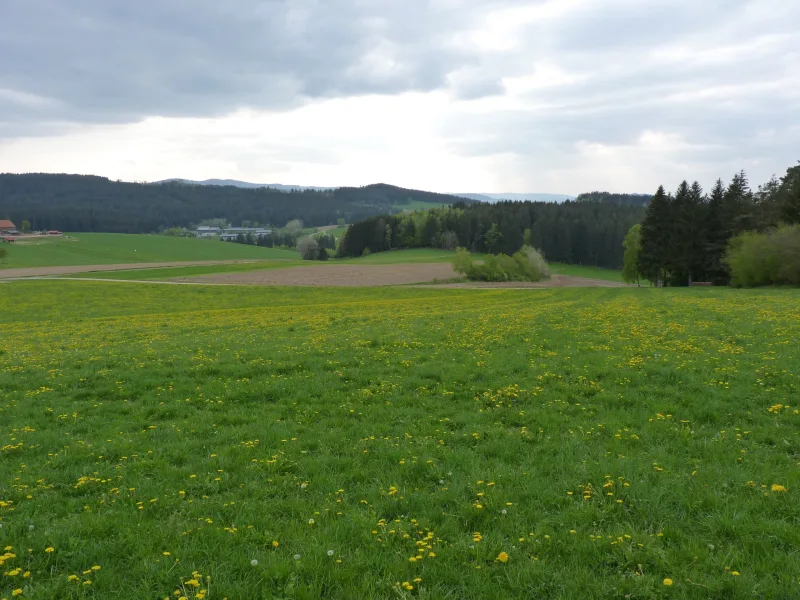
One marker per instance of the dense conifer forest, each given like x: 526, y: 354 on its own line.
x: 88, y: 203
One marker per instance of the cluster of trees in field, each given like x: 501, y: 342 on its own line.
x: 689, y: 236
x: 89, y: 203
x: 315, y: 248
x: 527, y: 264
x: 588, y: 232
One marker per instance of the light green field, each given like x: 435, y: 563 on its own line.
x: 234, y: 442
x: 588, y: 272
x: 115, y: 248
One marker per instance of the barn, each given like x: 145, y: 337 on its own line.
x: 7, y: 228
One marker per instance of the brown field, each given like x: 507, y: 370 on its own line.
x: 380, y: 275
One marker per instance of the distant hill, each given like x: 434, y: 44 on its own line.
x: 88, y: 203
x: 533, y: 197
x: 244, y: 184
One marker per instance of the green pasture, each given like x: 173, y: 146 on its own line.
x: 245, y: 442
x: 116, y: 248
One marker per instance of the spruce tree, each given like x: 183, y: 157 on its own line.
x: 716, y: 236
x: 789, y: 196
x: 678, y: 248
x: 655, y: 238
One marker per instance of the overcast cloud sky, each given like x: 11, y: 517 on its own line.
x: 448, y: 95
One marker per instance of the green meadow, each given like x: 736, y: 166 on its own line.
x: 237, y: 442
x: 117, y: 248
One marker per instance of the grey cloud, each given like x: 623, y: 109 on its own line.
x: 116, y: 61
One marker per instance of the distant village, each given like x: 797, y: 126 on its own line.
x: 230, y: 233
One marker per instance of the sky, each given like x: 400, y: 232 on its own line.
x: 559, y: 96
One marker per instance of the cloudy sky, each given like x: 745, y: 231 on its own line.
x: 555, y: 96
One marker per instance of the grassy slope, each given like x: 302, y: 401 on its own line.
x: 604, y: 439
x: 110, y: 248
x: 588, y: 272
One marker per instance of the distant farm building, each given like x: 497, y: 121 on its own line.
x: 7, y: 228
x: 206, y: 231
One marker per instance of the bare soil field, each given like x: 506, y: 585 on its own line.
x: 379, y: 275
x: 336, y: 275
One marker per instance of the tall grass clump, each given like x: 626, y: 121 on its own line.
x: 527, y: 264
x: 771, y: 258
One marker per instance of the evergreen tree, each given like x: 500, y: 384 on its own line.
x: 789, y: 196
x: 678, y: 249
x: 716, y: 237
x: 653, y: 254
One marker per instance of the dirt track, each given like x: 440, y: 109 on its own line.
x: 379, y: 275
x: 68, y: 270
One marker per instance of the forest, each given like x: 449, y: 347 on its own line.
x: 587, y: 232
x: 690, y: 236
x: 88, y: 203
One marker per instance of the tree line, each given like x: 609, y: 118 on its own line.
x: 89, y: 203
x: 685, y: 237
x: 588, y: 232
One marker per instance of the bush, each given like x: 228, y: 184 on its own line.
x: 308, y: 248
x: 526, y: 265
x: 771, y: 258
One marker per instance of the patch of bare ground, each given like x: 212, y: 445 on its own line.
x: 381, y: 275
x: 336, y: 275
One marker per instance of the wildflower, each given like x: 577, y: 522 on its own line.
x: 668, y: 581
x: 502, y: 557
x: 49, y: 549
x: 735, y: 573
x: 778, y: 488
x: 275, y: 543
x: 165, y: 553
x: 330, y: 552
x: 311, y: 521
x: 96, y: 568
x: 254, y: 563
x: 17, y: 592
x: 297, y: 557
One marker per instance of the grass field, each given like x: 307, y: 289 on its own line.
x: 588, y: 272
x: 394, y: 443
x: 111, y: 248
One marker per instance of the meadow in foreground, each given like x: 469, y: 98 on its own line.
x: 191, y: 442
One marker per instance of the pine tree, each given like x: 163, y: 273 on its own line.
x: 678, y: 248
x: 789, y: 196
x: 716, y: 237
x: 652, y: 261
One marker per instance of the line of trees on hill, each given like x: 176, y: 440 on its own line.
x: 588, y: 232
x: 88, y: 203
x: 687, y: 236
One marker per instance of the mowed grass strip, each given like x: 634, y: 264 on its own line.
x: 259, y: 443
x: 118, y: 248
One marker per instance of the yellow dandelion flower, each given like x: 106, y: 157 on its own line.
x: 668, y: 581
x: 49, y: 549
x: 778, y: 488
x: 502, y: 557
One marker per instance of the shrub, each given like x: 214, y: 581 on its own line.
x: 526, y: 265
x: 771, y: 258
x: 308, y: 248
